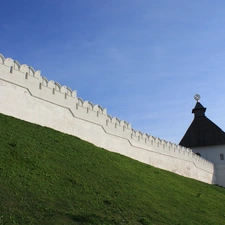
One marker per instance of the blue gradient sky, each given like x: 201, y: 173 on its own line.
x: 143, y: 60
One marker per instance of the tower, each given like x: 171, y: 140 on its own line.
x: 207, y: 140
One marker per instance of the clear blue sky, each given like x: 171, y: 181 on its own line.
x: 143, y: 60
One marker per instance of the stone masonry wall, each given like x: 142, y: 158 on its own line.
x: 26, y: 95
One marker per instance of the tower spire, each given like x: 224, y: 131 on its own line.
x: 199, y: 110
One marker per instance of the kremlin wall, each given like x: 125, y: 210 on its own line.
x: 26, y: 95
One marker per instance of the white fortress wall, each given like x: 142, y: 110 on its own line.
x: 26, y: 95
x: 214, y: 154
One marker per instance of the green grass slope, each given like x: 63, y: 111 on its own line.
x: 47, y: 177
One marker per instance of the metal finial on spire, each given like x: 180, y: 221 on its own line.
x: 197, y: 97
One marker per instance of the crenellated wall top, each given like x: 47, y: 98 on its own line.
x: 29, y: 71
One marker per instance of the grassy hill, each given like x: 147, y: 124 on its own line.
x: 47, y: 177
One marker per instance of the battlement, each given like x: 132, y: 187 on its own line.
x: 49, y: 104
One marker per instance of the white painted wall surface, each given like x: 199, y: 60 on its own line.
x: 220, y: 174
x: 26, y: 95
x: 212, y: 153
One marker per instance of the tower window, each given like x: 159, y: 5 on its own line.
x: 221, y: 157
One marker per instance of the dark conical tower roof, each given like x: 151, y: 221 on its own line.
x: 202, y: 131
